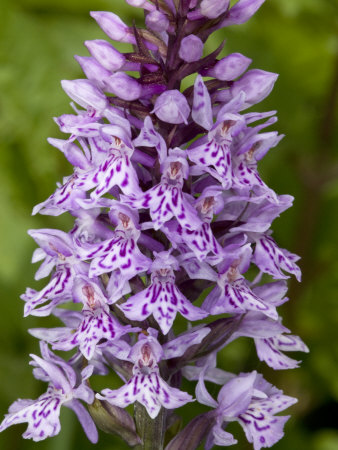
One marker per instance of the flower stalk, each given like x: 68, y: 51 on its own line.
x: 150, y: 431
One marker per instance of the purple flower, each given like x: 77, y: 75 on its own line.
x: 232, y: 293
x: 162, y: 298
x: 113, y: 26
x: 146, y: 385
x: 124, y: 86
x: 94, y: 326
x: 214, y: 154
x: 270, y: 339
x: 256, y: 214
x: 119, y: 255
x: 94, y: 71
x: 273, y: 260
x: 201, y: 240
x: 256, y: 84
x: 42, y: 415
x: 57, y: 250
x: 116, y: 169
x: 74, y: 186
x: 149, y: 137
x: 270, y: 350
x: 251, y: 401
x: 166, y: 199
x: 251, y: 149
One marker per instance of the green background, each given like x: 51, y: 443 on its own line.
x: 295, y: 38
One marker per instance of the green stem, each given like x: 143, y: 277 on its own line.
x: 151, y: 431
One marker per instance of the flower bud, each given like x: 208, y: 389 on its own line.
x: 124, y: 86
x: 172, y: 107
x: 113, y: 26
x: 230, y: 67
x: 136, y: 3
x: 257, y: 84
x: 191, y: 48
x: 213, y: 8
x: 93, y: 70
x: 241, y: 12
x: 105, y: 54
x: 84, y: 93
x: 114, y: 420
x: 141, y: 4
x: 193, y: 433
x: 157, y: 21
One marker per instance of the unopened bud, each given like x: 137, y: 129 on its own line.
x: 191, y: 48
x: 114, y: 420
x: 172, y: 107
x: 241, y: 12
x: 213, y: 8
x: 84, y: 93
x: 157, y: 21
x: 124, y: 86
x: 105, y: 54
x: 257, y: 84
x: 230, y: 67
x: 93, y: 70
x: 113, y: 26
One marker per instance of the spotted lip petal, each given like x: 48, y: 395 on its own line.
x: 270, y: 350
x: 95, y: 326
x: 236, y: 298
x: 166, y: 201
x: 59, y: 287
x: 66, y: 196
x: 200, y: 241
x: 163, y: 300
x: 214, y: 155
x: 42, y: 415
x: 274, y: 260
x: 123, y: 255
x: 253, y: 407
x: 149, y: 390
x: 146, y: 385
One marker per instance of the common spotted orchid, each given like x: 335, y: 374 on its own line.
x: 172, y: 226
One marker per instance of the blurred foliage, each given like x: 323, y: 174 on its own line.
x: 296, y: 38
